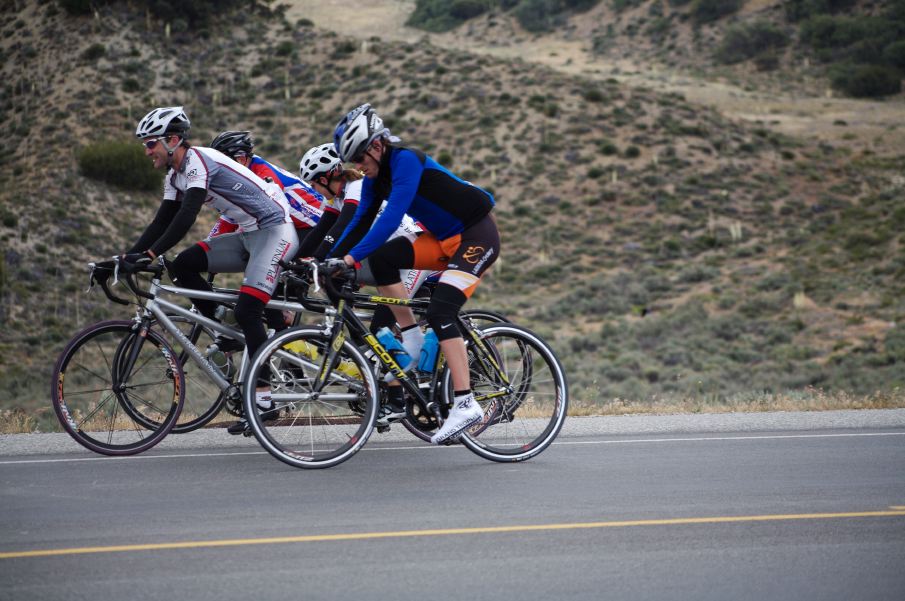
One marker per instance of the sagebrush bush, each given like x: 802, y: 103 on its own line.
x: 707, y: 11
x: 866, y: 81
x: 123, y: 164
x: 750, y: 40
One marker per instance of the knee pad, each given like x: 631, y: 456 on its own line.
x: 443, y: 311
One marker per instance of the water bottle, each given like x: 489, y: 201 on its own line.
x: 428, y: 358
x: 393, y: 347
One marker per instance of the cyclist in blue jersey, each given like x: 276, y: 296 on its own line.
x: 460, y: 239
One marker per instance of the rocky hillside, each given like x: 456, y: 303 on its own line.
x: 666, y: 249
x: 853, y: 47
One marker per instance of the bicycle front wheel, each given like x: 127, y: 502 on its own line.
x: 311, y: 426
x: 520, y: 384
x: 95, y: 397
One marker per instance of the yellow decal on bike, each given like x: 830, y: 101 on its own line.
x: 338, y: 343
x: 389, y: 300
x: 385, y: 356
x: 486, y: 353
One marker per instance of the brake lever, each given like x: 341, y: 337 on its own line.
x: 91, y: 281
x: 115, y: 270
x: 317, y: 285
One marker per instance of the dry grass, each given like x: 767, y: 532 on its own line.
x: 808, y: 399
x: 17, y: 421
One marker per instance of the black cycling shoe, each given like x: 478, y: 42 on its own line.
x: 228, y: 345
x: 389, y: 414
x: 242, y: 427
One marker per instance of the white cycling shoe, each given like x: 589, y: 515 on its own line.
x: 464, y: 414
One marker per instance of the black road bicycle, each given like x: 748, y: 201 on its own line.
x: 325, y: 391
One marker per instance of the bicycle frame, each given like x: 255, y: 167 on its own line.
x: 345, y: 316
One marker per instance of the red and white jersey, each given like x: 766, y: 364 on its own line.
x: 240, y: 196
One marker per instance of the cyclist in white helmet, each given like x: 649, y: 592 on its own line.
x: 322, y: 168
x: 196, y: 176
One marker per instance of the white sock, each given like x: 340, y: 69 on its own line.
x: 263, y: 399
x: 412, y: 341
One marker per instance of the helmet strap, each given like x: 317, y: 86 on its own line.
x: 170, y: 151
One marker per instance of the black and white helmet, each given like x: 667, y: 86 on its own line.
x: 355, y: 132
x: 163, y: 121
x: 232, y: 143
x: 318, y: 162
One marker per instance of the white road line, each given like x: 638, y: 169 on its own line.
x: 426, y: 447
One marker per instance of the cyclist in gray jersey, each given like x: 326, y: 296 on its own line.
x: 197, y: 176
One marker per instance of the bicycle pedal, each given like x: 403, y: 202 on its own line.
x: 247, y: 432
x: 382, y: 429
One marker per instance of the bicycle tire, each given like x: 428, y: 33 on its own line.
x: 203, y: 399
x: 534, y: 402
x: 423, y: 426
x: 323, y: 430
x: 88, y: 388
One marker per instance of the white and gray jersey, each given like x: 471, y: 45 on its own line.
x: 232, y: 189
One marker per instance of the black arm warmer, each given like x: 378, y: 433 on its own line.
x: 361, y: 228
x: 182, y: 221
x: 316, y: 235
x: 162, y: 219
x: 336, y: 232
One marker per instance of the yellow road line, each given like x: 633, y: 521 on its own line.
x: 896, y: 512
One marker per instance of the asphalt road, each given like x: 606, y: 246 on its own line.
x: 803, y: 514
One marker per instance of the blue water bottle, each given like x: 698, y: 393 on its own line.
x: 428, y: 358
x: 393, y: 347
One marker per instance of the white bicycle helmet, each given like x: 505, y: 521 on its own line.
x: 161, y: 121
x: 355, y: 132
x: 318, y: 162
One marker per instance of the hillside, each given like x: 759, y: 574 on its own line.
x: 667, y: 250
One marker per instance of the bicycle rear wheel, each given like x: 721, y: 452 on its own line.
x: 311, y: 428
x: 421, y: 425
x: 203, y: 399
x: 521, y: 386
x: 96, y: 400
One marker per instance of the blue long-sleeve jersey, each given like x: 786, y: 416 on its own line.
x: 414, y: 183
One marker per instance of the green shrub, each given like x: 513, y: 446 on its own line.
x: 94, y: 52
x: 81, y: 7
x: 442, y: 15
x: 123, y: 164
x: 796, y: 10
x: 445, y: 159
x: 750, y: 40
x: 866, y: 81
x: 544, y: 15
x: 894, y: 54
x: 284, y: 48
x: 707, y: 11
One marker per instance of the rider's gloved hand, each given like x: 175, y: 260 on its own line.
x: 335, y: 267
x: 131, y: 262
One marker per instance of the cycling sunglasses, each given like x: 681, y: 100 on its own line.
x: 151, y: 144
